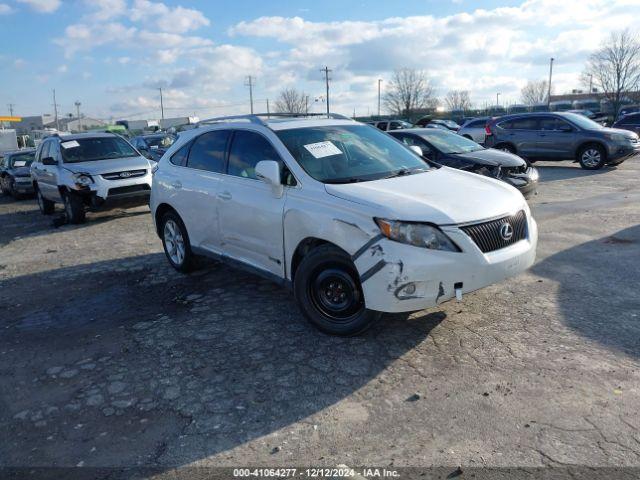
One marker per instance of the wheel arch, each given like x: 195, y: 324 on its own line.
x: 511, y: 146
x: 587, y: 143
x: 161, y: 211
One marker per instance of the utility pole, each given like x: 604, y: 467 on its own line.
x: 306, y: 104
x: 379, y: 82
x: 326, y: 79
x: 11, y: 105
x: 161, y: 104
x: 591, y: 83
x: 268, y: 107
x: 549, y: 86
x: 498, y: 99
x: 249, y: 83
x: 55, y: 110
x: 77, y: 104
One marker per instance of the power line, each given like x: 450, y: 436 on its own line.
x: 55, y: 109
x: 249, y: 83
x: 326, y: 79
x: 161, y: 104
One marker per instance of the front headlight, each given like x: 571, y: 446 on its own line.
x: 416, y: 234
x: 82, y: 180
x: 617, y: 138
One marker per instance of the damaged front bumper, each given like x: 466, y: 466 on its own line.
x: 401, y: 278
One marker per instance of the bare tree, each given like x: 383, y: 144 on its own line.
x: 535, y: 91
x: 408, y: 91
x: 291, y: 100
x: 615, y: 68
x: 458, y: 100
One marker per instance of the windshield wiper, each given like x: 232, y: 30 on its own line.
x: 344, y: 180
x: 406, y: 171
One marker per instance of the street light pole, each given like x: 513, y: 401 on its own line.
x: 379, y: 82
x: 249, y: 83
x: 498, y: 99
x: 549, y: 86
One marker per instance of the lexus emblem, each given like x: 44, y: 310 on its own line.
x: 506, y: 231
x: 124, y: 174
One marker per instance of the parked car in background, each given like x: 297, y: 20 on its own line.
x: 89, y: 171
x: 473, y: 129
x: 561, y: 136
x: 354, y: 221
x: 387, y: 125
x: 626, y: 110
x: 15, y: 175
x: 448, y: 124
x: 451, y: 150
x: 629, y: 122
x: 153, y: 145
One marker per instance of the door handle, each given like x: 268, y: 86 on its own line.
x: 177, y: 184
x: 224, y: 196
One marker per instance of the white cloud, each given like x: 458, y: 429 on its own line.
x: 5, y: 9
x: 43, y: 6
x: 106, y: 9
x: 174, y: 20
x: 62, y: 69
x: 484, y: 50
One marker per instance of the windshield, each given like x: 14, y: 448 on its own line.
x: 159, y: 142
x: 349, y: 153
x: 448, y: 142
x: 22, y: 159
x: 97, y: 148
x: 582, y: 121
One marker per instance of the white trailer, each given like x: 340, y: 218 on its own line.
x: 166, y: 123
x: 8, y: 140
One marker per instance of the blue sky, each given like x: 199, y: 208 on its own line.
x: 112, y: 55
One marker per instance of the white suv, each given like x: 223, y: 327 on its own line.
x: 356, y: 222
x: 89, y: 171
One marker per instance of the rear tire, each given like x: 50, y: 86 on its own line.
x: 175, y: 241
x: 74, y: 208
x: 592, y: 157
x: 47, y: 207
x: 327, y: 288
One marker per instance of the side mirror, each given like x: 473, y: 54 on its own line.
x: 49, y: 161
x: 269, y: 172
x: 417, y: 149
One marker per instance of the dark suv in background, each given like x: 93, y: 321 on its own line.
x: 561, y: 136
x: 629, y: 122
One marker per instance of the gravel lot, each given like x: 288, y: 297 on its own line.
x: 110, y: 358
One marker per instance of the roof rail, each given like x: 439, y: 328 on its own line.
x: 257, y: 118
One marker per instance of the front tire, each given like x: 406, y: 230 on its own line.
x: 327, y: 288
x: 592, y: 157
x: 74, y: 208
x: 47, y: 207
x: 175, y: 241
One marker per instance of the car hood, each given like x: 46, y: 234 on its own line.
x: 98, y: 167
x: 492, y: 157
x: 441, y: 196
x: 620, y: 131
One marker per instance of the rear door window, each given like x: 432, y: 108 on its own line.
x: 631, y: 120
x: 530, y: 123
x: 554, y: 124
x: 180, y: 157
x: 208, y: 151
x: 382, y: 126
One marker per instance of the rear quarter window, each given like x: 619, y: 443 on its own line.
x: 180, y: 157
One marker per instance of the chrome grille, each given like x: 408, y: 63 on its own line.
x: 487, y: 235
x: 124, y: 175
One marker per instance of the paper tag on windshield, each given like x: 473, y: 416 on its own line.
x: 323, y: 149
x: 153, y: 147
x: 70, y: 144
